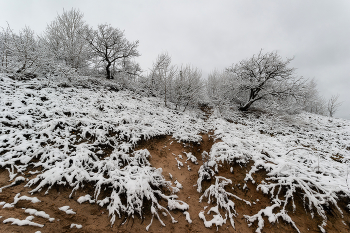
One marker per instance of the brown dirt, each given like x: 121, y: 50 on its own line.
x: 163, y: 150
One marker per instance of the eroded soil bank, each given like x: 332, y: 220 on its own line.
x: 166, y: 154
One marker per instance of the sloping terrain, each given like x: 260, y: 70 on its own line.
x: 109, y: 160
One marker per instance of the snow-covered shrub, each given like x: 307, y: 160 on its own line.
x: 64, y: 132
x: 302, y: 154
x: 217, y: 193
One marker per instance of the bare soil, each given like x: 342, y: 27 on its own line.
x: 163, y: 150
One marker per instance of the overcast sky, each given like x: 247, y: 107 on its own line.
x: 216, y: 34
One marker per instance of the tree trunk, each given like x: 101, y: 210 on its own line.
x: 109, y: 71
x: 246, y: 106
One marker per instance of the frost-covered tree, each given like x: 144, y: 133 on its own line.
x: 63, y: 38
x: 266, y: 79
x: 5, y: 38
x: 162, y: 76
x: 313, y: 102
x: 110, y: 46
x: 219, y: 88
x: 19, y: 52
x: 333, y: 105
x: 187, y: 87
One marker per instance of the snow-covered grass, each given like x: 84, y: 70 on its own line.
x: 304, y: 153
x: 63, y: 135
x: 77, y: 136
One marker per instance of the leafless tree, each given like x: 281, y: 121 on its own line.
x: 187, y: 86
x: 5, y: 37
x: 64, y: 41
x: 219, y: 89
x: 20, y: 51
x: 333, y: 105
x: 110, y: 45
x: 313, y: 102
x: 266, y: 78
x: 162, y: 75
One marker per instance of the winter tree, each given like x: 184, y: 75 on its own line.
x: 110, y: 46
x: 187, y: 87
x: 20, y: 52
x: 5, y: 37
x: 313, y: 102
x: 219, y: 88
x: 64, y: 41
x: 333, y: 105
x: 266, y: 79
x: 162, y: 76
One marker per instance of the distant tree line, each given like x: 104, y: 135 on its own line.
x: 69, y: 47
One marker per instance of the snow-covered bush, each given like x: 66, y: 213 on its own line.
x: 63, y: 131
x: 304, y: 154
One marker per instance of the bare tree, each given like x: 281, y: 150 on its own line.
x: 20, y: 51
x: 266, y: 78
x: 5, y: 38
x: 110, y: 45
x: 162, y: 75
x: 333, y: 105
x: 187, y: 86
x: 64, y: 41
x: 313, y: 102
x: 219, y: 88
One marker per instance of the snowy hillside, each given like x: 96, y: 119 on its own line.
x: 52, y: 136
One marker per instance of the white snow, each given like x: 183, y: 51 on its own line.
x: 39, y: 214
x: 17, y: 198
x: 188, y: 218
x: 67, y: 209
x: 178, y: 184
x: 76, y: 225
x: 27, y: 221
x: 85, y: 198
x: 191, y: 157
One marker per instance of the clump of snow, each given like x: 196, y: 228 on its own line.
x: 218, y: 220
x: 27, y: 221
x: 67, y: 209
x: 17, y: 181
x: 179, y: 164
x: 188, y: 218
x: 75, y: 225
x: 39, y: 214
x: 85, y: 198
x: 191, y: 157
x: 177, y: 184
x: 8, y: 205
x: 17, y: 198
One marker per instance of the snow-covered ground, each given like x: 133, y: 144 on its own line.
x: 73, y: 136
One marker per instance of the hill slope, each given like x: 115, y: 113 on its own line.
x: 99, y: 151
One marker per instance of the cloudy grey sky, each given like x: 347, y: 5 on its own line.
x: 215, y: 34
